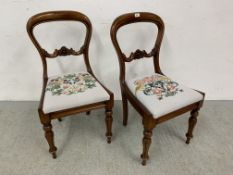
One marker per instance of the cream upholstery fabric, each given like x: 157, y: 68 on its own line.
x: 148, y: 88
x: 75, y: 92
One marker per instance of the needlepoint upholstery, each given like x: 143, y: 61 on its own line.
x: 71, y: 90
x: 161, y: 95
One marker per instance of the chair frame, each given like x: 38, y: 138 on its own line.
x: 64, y: 51
x: 148, y: 121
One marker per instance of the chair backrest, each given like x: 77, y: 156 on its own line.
x: 138, y: 54
x: 63, y: 51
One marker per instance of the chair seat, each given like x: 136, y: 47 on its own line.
x: 72, y: 90
x: 161, y: 95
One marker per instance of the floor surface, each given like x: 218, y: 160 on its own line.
x: 82, y: 148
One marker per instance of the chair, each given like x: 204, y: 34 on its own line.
x: 156, y: 97
x: 67, y: 94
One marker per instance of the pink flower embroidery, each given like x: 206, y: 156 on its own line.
x: 159, y: 85
x: 71, y: 84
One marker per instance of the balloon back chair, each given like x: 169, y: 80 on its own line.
x: 67, y: 94
x: 156, y: 97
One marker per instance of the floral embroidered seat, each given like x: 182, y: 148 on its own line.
x: 161, y: 95
x: 71, y: 90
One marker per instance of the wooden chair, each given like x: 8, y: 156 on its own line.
x: 156, y: 97
x: 68, y: 94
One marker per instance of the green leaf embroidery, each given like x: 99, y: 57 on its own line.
x: 158, y: 85
x: 71, y: 84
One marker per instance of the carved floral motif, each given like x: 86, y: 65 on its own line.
x: 138, y: 54
x: 63, y: 51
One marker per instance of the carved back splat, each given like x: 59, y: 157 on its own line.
x: 138, y: 54
x: 63, y: 51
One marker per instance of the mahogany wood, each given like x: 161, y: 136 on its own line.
x: 147, y: 118
x: 64, y: 51
x: 192, y: 123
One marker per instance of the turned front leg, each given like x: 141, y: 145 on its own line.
x: 47, y: 126
x: 146, y: 142
x: 50, y: 138
x: 108, y: 121
x: 192, y: 123
x: 149, y: 124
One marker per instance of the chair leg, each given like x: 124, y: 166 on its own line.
x: 47, y: 126
x: 50, y: 138
x: 146, y: 141
x: 125, y: 109
x: 88, y: 112
x: 108, y: 121
x: 192, y: 122
x: 59, y: 119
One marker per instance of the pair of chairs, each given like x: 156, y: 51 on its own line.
x: 156, y: 97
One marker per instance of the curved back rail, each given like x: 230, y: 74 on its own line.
x: 63, y: 51
x: 138, y: 54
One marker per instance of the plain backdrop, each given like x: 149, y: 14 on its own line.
x: 197, y: 49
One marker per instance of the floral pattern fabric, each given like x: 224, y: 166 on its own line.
x: 71, y: 84
x: 158, y: 85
